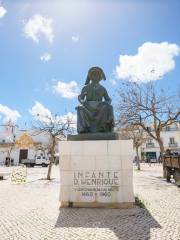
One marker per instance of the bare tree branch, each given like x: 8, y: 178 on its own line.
x: 57, y: 128
x: 141, y: 105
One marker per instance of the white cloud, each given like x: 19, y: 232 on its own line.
x: 113, y: 81
x: 71, y: 117
x: 9, y: 114
x: 45, y: 57
x: 151, y: 63
x: 38, y: 25
x: 39, y: 112
x: 3, y: 11
x: 75, y: 39
x: 44, y: 115
x: 66, y: 90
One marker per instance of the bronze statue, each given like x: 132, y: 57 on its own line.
x: 95, y: 114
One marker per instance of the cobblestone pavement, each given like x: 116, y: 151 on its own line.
x: 30, y: 211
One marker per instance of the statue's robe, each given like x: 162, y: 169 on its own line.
x: 96, y: 112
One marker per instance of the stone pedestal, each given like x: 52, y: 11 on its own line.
x: 94, y: 136
x: 96, y: 174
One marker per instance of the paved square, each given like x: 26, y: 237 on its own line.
x: 30, y: 211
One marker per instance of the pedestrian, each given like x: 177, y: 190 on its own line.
x: 135, y: 160
x: 148, y: 160
x: 159, y: 159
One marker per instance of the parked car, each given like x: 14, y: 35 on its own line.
x: 38, y: 161
x: 153, y: 160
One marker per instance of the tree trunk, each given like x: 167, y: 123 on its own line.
x: 49, y: 170
x: 52, y: 157
x: 138, y: 160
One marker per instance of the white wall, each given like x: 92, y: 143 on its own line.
x: 165, y: 135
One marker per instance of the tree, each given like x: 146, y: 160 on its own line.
x: 56, y: 127
x: 137, y: 135
x: 145, y: 106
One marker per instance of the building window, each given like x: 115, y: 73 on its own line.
x: 168, y: 128
x: 149, y: 141
x: 171, y: 140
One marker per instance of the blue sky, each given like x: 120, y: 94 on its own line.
x: 81, y: 34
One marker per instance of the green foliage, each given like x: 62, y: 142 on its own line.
x: 140, y: 203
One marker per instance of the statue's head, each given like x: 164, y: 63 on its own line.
x: 95, y: 74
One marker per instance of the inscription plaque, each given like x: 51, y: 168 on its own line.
x: 96, y: 183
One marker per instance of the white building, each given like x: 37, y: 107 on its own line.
x: 21, y: 144
x: 170, y: 137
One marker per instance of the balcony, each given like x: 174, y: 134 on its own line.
x: 173, y: 144
x: 171, y: 129
x: 150, y: 145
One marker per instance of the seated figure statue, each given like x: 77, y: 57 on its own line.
x: 95, y: 114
